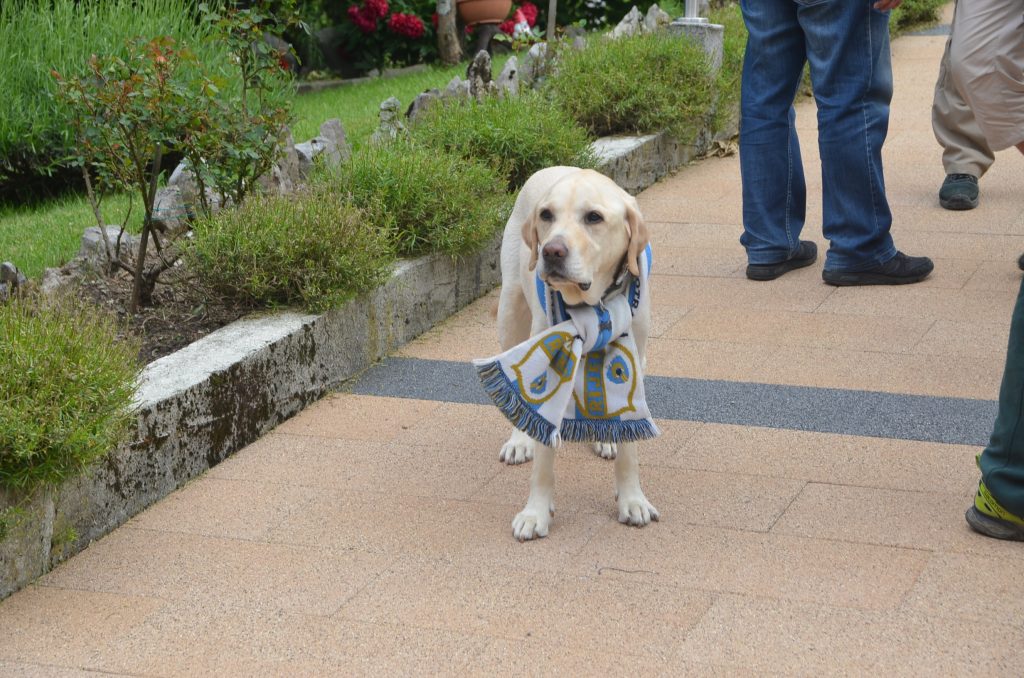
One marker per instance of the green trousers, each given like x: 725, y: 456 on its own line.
x: 1002, y: 462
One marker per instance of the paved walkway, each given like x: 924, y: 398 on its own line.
x: 371, y: 534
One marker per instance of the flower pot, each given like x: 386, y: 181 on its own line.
x: 483, y: 11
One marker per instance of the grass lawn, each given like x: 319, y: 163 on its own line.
x: 48, y: 234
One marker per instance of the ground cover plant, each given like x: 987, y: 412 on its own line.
x: 429, y: 200
x: 643, y: 84
x: 68, y: 379
x: 315, y: 249
x: 727, y: 81
x: 915, y: 12
x: 38, y: 36
x: 516, y: 135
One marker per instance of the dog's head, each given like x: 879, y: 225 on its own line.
x: 580, y: 234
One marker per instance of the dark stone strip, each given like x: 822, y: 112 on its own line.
x: 825, y: 410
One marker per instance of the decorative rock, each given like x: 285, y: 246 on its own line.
x: 534, y: 66
x: 656, y: 19
x: 284, y: 176
x: 508, y: 79
x: 170, y: 214
x: 630, y: 25
x: 391, y: 125
x: 183, y: 178
x: 579, y: 42
x: 10, y: 280
x: 709, y: 36
x: 422, y: 102
x: 457, y: 88
x: 92, y: 252
x: 339, y: 150
x: 479, y: 75
x: 331, y: 144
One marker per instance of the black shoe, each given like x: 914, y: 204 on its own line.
x: 959, y: 192
x: 1020, y: 262
x: 900, y: 270
x: 805, y: 255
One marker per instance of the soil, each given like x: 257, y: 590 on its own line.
x: 180, y: 313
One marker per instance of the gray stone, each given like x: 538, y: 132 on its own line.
x: 579, y: 42
x: 284, y: 50
x: 656, y: 19
x: 284, y: 176
x: 56, y: 280
x: 709, y: 36
x: 422, y: 102
x: 630, y: 25
x: 330, y: 40
x: 479, y: 76
x: 184, y: 180
x: 92, y: 252
x: 391, y: 125
x: 535, y: 65
x: 508, y: 79
x: 339, y: 149
x: 10, y: 280
x: 457, y: 88
x: 170, y: 215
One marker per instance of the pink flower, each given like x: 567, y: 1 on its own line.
x: 409, y: 25
x: 529, y: 11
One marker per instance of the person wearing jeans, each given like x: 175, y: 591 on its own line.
x: 987, y: 67
x: 846, y: 44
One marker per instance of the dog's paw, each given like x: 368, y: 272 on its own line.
x: 530, y: 524
x: 518, y: 449
x: 604, y: 450
x: 634, y: 509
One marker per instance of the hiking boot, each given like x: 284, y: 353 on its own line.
x: 805, y: 255
x: 959, y: 192
x: 900, y: 270
x: 987, y: 517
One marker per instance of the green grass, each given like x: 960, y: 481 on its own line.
x: 358, y: 106
x: 41, y: 236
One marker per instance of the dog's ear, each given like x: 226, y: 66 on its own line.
x: 638, y: 235
x: 530, y: 237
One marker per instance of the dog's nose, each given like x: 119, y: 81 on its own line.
x: 555, y: 249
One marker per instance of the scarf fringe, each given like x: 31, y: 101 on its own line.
x: 507, y: 399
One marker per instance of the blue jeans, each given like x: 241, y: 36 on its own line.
x: 846, y: 43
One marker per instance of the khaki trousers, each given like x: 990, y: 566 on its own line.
x: 964, y: 149
x: 986, y: 62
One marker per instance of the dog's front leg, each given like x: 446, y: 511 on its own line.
x: 634, y: 509
x: 533, y: 521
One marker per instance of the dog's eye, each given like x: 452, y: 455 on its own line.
x: 546, y: 215
x: 594, y: 218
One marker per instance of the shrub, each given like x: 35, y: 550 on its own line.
x: 428, y: 199
x: 518, y: 135
x: 315, y: 249
x: 67, y: 381
x: 913, y: 12
x: 727, y: 82
x: 39, y: 35
x: 641, y: 84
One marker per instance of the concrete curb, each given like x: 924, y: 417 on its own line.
x: 201, y: 404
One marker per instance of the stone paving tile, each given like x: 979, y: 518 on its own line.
x: 687, y: 236
x: 691, y: 261
x: 714, y: 499
x: 767, y: 565
x: 811, y: 640
x: 469, y: 532
x: 229, y: 572
x: 964, y: 377
x: 789, y: 293
x: 982, y: 589
x: 708, y: 360
x: 908, y: 301
x: 431, y: 469
x: 567, y: 609
x: 830, y: 458
x: 932, y: 521
x: 223, y: 508
x: 790, y: 328
x: 185, y: 638
x: 60, y: 627
x: 24, y: 670
x: 997, y: 276
x: 353, y: 417
x: 972, y: 340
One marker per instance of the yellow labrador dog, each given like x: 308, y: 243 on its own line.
x: 575, y: 229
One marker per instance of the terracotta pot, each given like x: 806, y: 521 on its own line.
x: 483, y: 11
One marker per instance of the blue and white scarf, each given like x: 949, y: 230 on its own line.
x: 581, y: 379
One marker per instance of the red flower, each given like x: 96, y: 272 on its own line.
x: 378, y: 9
x: 364, y: 22
x: 409, y: 25
x: 507, y: 26
x: 530, y: 12
x: 433, y: 20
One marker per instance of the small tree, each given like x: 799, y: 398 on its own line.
x: 127, y: 113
